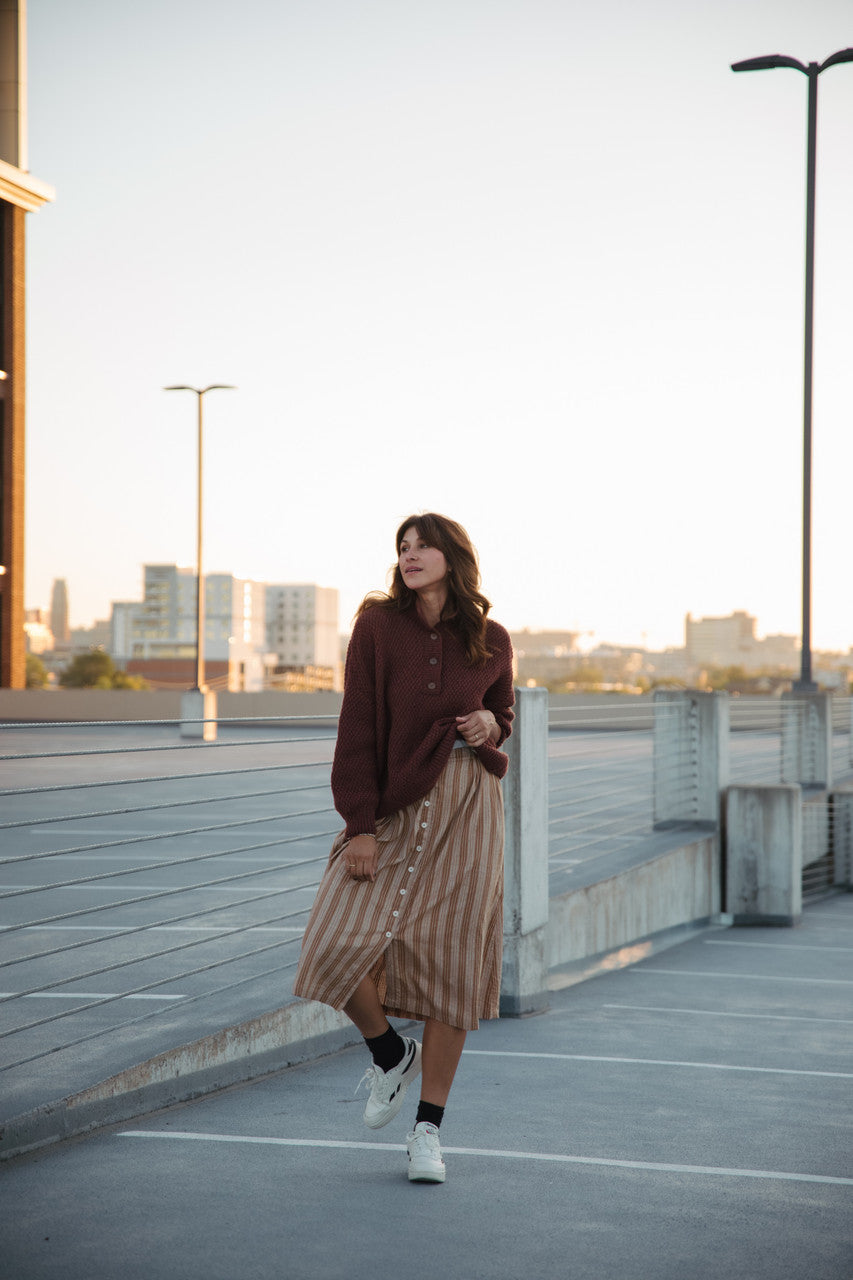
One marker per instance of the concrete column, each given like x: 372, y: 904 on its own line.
x: 764, y: 854
x: 198, y: 714
x: 691, y: 755
x: 12, y: 446
x: 807, y: 739
x: 525, y: 962
x: 841, y: 836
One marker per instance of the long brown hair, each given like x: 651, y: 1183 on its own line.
x: 466, y: 608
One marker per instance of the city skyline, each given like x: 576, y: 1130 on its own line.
x: 535, y: 265
x: 585, y: 639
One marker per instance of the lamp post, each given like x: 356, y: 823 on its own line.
x: 199, y: 703
x: 805, y: 684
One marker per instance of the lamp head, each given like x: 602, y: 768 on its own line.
x: 843, y: 55
x: 767, y: 63
x: 200, y: 391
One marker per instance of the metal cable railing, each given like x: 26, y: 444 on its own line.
x: 761, y: 752
x: 229, y: 944
x: 776, y: 740
x: 600, y: 780
x: 114, y: 835
x: 755, y: 741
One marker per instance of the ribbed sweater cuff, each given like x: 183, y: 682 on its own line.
x: 362, y: 825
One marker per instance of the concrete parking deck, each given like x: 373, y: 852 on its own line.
x: 684, y: 1118
x: 108, y: 840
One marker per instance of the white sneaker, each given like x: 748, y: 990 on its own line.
x: 425, y: 1162
x: 388, y: 1088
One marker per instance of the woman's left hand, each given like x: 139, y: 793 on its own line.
x: 478, y: 728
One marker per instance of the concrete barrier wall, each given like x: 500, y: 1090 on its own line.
x: 66, y: 705
x: 612, y: 711
x: 617, y: 920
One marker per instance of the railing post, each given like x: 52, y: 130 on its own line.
x: 198, y: 714
x: 764, y: 854
x: 807, y: 739
x: 525, y: 962
x: 691, y: 755
x: 841, y: 829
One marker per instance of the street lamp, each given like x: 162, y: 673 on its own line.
x: 200, y: 392
x: 805, y: 684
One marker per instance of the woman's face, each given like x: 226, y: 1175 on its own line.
x: 421, y: 565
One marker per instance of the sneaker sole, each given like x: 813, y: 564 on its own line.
x: 394, y: 1106
x: 426, y: 1175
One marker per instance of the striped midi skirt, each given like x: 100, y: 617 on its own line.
x: 429, y: 929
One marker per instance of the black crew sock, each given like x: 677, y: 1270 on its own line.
x: 386, y: 1050
x: 430, y: 1112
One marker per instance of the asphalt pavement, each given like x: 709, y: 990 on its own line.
x: 685, y: 1118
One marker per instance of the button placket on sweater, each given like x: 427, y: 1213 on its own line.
x: 433, y: 663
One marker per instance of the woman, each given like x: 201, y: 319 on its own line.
x: 408, y: 919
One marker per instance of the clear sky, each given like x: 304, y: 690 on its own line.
x: 536, y: 264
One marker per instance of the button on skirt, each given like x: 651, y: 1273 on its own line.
x: 429, y: 929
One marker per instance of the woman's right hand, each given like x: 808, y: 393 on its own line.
x: 361, y: 857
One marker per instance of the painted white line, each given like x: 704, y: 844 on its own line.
x: 741, y: 977
x: 724, y: 1013
x: 78, y: 995
x: 128, y: 887
x: 155, y: 928
x: 775, y: 946
x: 135, y: 857
x: 494, y: 1154
x: 658, y: 1062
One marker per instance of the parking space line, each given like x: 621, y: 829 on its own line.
x: 79, y: 995
x: 725, y: 1013
x: 788, y: 946
x: 658, y: 1062
x: 155, y: 928
x: 174, y: 889
x: 743, y: 977
x: 493, y: 1154
x: 815, y: 921
x: 118, y: 856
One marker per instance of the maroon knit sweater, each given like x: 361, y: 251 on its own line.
x: 405, y: 684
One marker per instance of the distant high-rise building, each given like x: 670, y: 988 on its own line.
x: 283, y: 635
x: 721, y: 642
x: 37, y: 633
x: 732, y: 642
x: 156, y: 637
x: 59, y: 623
x: 302, y: 634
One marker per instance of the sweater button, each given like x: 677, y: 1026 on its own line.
x: 433, y: 636
x: 430, y: 685
x: 433, y: 662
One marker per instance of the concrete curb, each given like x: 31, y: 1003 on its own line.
x: 298, y: 1032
